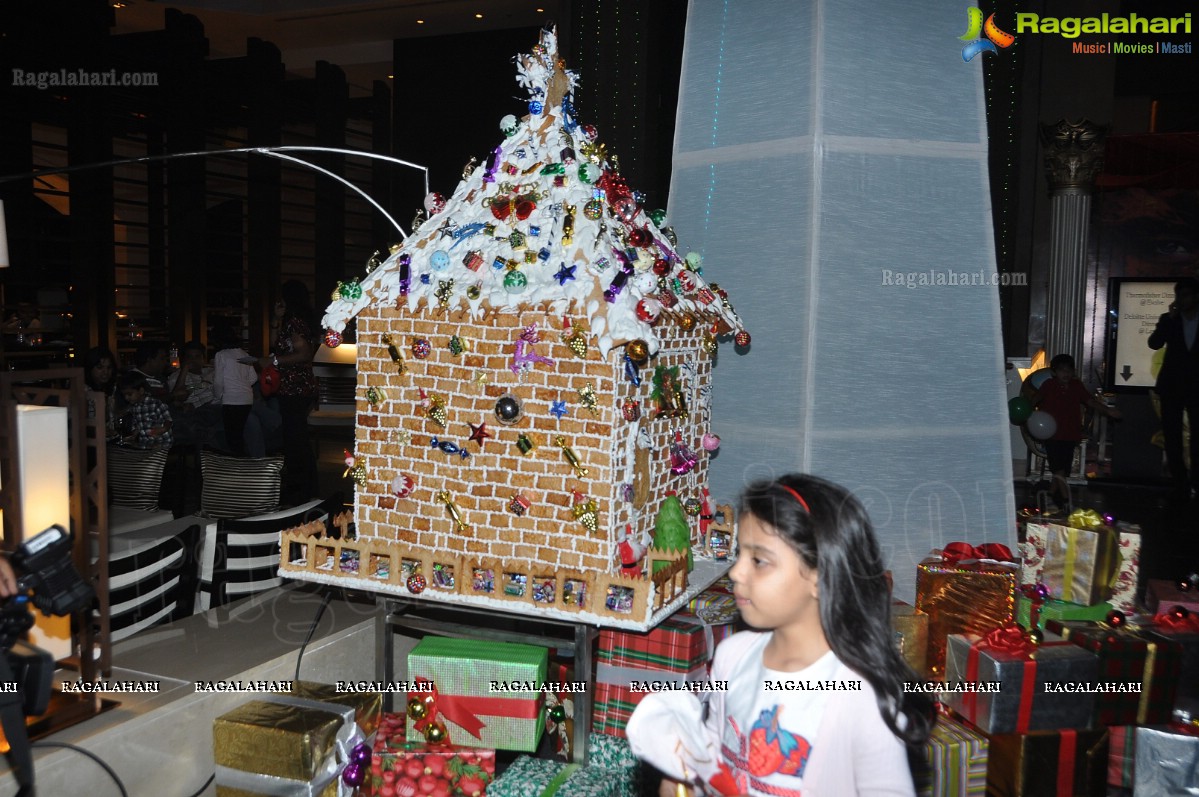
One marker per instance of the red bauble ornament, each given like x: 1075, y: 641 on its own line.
x: 741, y: 338
x: 661, y: 267
x: 1116, y: 619
x: 332, y: 338
x: 640, y: 237
x: 648, y: 310
x: 416, y: 583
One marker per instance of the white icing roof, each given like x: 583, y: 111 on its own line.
x: 533, y: 174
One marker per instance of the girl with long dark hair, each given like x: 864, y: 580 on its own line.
x: 815, y: 701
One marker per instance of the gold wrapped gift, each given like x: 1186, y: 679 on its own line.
x: 368, y: 706
x: 969, y: 596
x: 277, y: 739
x: 911, y: 627
x: 1080, y: 563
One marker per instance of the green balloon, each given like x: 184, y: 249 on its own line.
x: 1018, y: 410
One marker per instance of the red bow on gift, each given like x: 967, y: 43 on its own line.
x: 452, y: 708
x: 1182, y: 621
x: 1010, y: 639
x: 958, y: 551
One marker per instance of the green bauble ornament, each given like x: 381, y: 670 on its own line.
x: 672, y: 532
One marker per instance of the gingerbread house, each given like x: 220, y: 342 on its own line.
x: 534, y: 368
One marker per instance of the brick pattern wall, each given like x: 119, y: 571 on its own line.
x: 547, y: 535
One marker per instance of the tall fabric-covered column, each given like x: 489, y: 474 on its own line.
x: 1073, y: 158
x: 831, y: 167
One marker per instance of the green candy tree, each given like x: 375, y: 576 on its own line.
x: 672, y: 532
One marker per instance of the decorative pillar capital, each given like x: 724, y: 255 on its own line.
x: 1073, y: 154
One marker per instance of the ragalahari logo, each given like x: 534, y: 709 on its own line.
x: 995, y: 38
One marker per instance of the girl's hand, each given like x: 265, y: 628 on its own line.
x: 672, y: 788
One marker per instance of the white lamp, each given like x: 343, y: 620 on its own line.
x: 45, y: 498
x: 3, y: 238
x: 345, y: 354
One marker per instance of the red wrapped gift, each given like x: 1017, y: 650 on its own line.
x: 1121, y: 755
x: 1162, y: 596
x: 1147, y: 662
x: 679, y: 649
x: 1180, y: 626
x: 419, y: 768
x: 965, y: 590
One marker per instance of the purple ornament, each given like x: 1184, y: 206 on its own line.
x: 1109, y: 520
x: 1042, y: 592
x: 361, y: 754
x: 353, y: 775
x: 493, y: 163
x: 405, y: 273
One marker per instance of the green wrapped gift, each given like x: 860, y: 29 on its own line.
x: 536, y: 777
x: 612, y: 753
x: 955, y: 761
x: 1056, y: 610
x: 487, y: 694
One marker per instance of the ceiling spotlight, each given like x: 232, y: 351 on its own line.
x: 420, y: 22
x: 118, y: 5
x: 478, y: 16
x: 391, y: 77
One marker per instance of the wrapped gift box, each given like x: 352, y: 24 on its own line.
x: 1167, y: 761
x: 911, y: 629
x: 534, y: 777
x: 475, y: 714
x: 955, y: 761
x: 420, y: 768
x: 1127, y: 656
x: 1121, y: 755
x: 1028, y: 607
x: 1048, y: 764
x: 1162, y: 596
x: 679, y: 649
x: 303, y: 742
x: 1078, y: 565
x: 368, y: 706
x: 1180, y: 627
x: 962, y: 597
x: 1022, y: 672
x: 1124, y: 591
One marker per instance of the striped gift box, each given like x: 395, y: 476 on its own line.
x: 1121, y: 755
x: 955, y: 756
x: 679, y: 649
x: 1127, y: 656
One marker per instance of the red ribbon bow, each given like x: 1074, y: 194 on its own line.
x: 1187, y: 623
x: 460, y: 709
x: 957, y: 551
x: 1010, y: 639
x: 1014, y: 641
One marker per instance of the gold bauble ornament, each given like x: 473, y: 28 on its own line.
x: 417, y: 709
x: 436, y: 734
x: 638, y: 351
x: 686, y: 322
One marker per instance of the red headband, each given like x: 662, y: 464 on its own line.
x: 798, y: 497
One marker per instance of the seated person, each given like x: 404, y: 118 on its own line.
x: 25, y: 319
x: 152, y: 359
x: 193, y: 403
x: 148, y: 420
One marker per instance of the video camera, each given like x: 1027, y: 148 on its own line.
x: 47, y: 578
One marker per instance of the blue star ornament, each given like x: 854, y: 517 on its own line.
x: 558, y: 409
x: 565, y: 274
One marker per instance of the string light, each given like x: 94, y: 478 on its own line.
x: 724, y: 20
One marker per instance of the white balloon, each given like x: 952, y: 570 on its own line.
x: 1041, y: 425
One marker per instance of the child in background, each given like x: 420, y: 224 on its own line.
x: 233, y: 385
x: 810, y: 576
x: 151, y: 420
x: 1062, y: 396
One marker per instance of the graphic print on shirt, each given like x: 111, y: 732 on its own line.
x: 773, y: 749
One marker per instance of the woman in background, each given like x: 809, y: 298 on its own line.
x: 291, y: 354
x: 100, y: 376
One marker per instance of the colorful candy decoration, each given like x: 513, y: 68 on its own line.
x: 574, y: 338
x: 402, y: 485
x: 571, y: 457
x: 568, y: 226
x: 588, y: 398
x: 433, y: 408
x: 434, y: 203
x: 692, y: 506
x: 509, y: 409
x: 421, y: 348
x: 444, y: 292
x: 332, y: 338
x: 448, y: 447
x: 459, y: 523
x: 405, y: 262
x: 519, y: 504
x: 525, y: 444
x: 648, y: 310
x: 668, y: 393
x: 457, y: 346
x: 742, y: 338
x: 523, y: 356
x: 479, y: 433
x: 631, y: 371
x: 631, y: 410
x: 354, y: 469
x: 394, y: 352
x: 682, y: 459
x: 375, y: 396
x: 416, y: 583
x: 586, y: 511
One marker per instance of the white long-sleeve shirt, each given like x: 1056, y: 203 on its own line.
x: 232, y: 381
x: 815, y: 733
